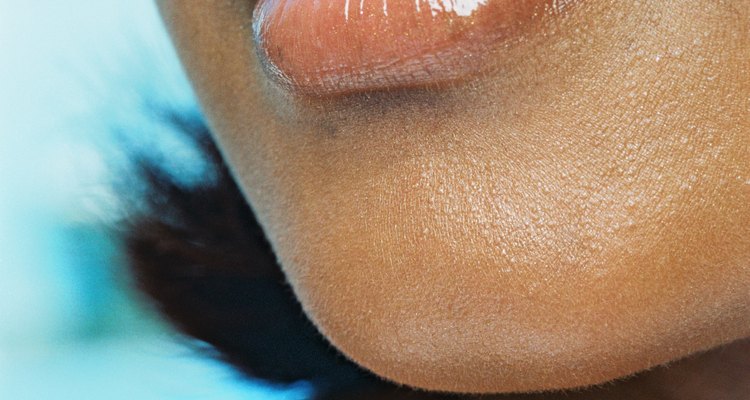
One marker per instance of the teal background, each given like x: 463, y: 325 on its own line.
x: 73, y: 76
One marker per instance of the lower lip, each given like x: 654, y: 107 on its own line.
x: 332, y: 47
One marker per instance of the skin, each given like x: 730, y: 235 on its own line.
x: 578, y: 213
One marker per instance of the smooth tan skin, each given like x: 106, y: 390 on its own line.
x: 580, y: 213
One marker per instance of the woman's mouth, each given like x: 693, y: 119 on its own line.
x: 332, y: 47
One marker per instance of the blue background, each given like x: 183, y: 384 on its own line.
x: 72, y: 75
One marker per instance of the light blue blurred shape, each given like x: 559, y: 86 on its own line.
x: 72, y: 71
x: 144, y: 370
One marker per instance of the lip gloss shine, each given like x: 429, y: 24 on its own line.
x: 331, y: 47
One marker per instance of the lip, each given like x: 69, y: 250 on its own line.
x: 332, y: 47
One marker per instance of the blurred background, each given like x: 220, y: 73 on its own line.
x: 76, y: 77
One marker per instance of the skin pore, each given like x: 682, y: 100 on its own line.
x: 577, y: 213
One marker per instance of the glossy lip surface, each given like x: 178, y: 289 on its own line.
x: 332, y: 47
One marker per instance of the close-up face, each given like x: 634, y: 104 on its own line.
x: 491, y: 196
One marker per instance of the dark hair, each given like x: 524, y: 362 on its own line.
x: 200, y: 255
